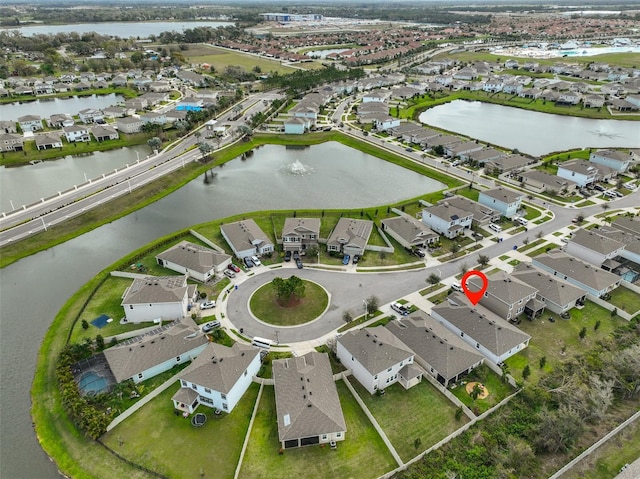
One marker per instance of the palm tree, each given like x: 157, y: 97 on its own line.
x: 476, y: 391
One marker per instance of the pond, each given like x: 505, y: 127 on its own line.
x: 51, y: 106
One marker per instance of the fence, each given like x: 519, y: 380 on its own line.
x: 610, y: 307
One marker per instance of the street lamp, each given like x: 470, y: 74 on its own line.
x: 366, y: 309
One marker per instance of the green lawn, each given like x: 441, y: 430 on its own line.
x: 264, y: 305
x: 156, y: 438
x: 421, y: 412
x: 498, y: 390
x: 625, y: 300
x: 548, y: 339
x: 221, y: 58
x: 362, y: 454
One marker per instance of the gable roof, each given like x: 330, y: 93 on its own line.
x: 156, y: 289
x: 629, y: 225
x: 375, y: 348
x: 480, y: 324
x: 435, y: 344
x: 307, y: 402
x: 194, y: 257
x: 595, y: 278
x: 503, y: 195
x: 550, y: 287
x: 144, y: 352
x: 552, y: 181
x: 447, y: 212
x: 503, y: 287
x: 219, y: 367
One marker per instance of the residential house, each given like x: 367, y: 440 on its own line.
x: 246, y: 239
x: 611, y: 158
x: 296, y: 126
x: 104, y: 133
x: 627, y: 264
x: 492, y: 336
x: 569, y: 98
x: 583, y: 173
x: 593, y: 101
x: 197, y: 262
x: 543, y: 182
x: 30, y: 123
x: 440, y: 140
x: 155, y: 352
x: 593, y: 280
x: 90, y: 115
x: 307, y: 111
x: 76, y: 133
x: 506, y: 202
x: 466, y: 73
x: 129, y: 125
x: 7, y: 126
x: 350, y: 236
x: 462, y: 148
x: 507, y: 163
x: 493, y: 85
x: 300, y: 234
x: 377, y: 359
x: 153, y: 117
x: 507, y: 297
x: 113, y: 112
x: 386, y: 122
x: 158, y: 86
x: 405, y: 128
x: 60, y: 120
x: 192, y: 78
x: 11, y: 142
x: 175, y: 115
x: 379, y: 96
x: 409, y: 232
x: 558, y: 296
x: 447, y: 220
x: 590, y: 246
x: 190, y: 104
x: 482, y: 215
x: 307, y: 404
x: 481, y: 156
x: 48, y: 141
x: 158, y: 298
x: 437, y: 350
x: 217, y: 378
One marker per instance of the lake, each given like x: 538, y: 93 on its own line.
x: 45, y: 107
x: 530, y: 131
x: 35, y: 288
x: 119, y: 29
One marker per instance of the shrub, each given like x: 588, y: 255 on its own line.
x: 85, y: 325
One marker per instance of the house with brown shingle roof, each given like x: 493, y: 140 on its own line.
x: 350, y: 236
x: 217, y: 378
x: 409, y: 232
x: 307, y: 404
x: 158, y: 297
x: 246, y: 238
x: 590, y: 246
x: 506, y: 296
x: 197, y: 262
x: 300, y: 234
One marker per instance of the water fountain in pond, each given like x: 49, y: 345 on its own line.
x: 297, y: 168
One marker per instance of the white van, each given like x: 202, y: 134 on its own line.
x: 495, y: 227
x: 521, y: 221
x: 261, y: 342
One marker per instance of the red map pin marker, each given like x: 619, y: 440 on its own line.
x: 474, y: 296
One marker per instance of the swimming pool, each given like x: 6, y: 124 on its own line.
x: 91, y: 382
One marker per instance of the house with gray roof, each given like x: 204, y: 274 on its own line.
x: 506, y: 202
x: 592, y: 247
x: 158, y: 298
x: 492, y: 336
x: 480, y: 157
x: 617, y: 160
x: 542, y: 181
x: 47, y: 141
x: 409, y: 232
x: 104, y: 133
x: 507, y: 163
x: 437, y: 350
x: 462, y: 148
x: 627, y: 264
x: 155, y: 352
x: 30, y: 123
x: 593, y: 280
x: 246, y: 239
x: 558, y: 296
x: 217, y: 378
x: 7, y: 126
x: 482, y: 215
x: 307, y: 403
x: 76, y: 133
x: 129, y: 125
x: 377, y: 359
x: 446, y: 219
x: 350, y: 236
x: 584, y: 172
x: 59, y: 120
x: 300, y: 234
x: 195, y: 261
x: 507, y: 297
x: 11, y: 142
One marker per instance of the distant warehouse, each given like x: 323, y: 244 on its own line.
x: 288, y: 17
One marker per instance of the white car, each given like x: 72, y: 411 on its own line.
x: 208, y: 305
x: 495, y: 227
x: 256, y: 260
x: 400, y: 309
x: 228, y: 273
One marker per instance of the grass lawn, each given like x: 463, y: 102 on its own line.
x: 548, y: 339
x: 607, y: 460
x: 498, y: 390
x: 168, y: 444
x: 625, y: 300
x: 264, y: 305
x: 362, y: 454
x: 407, y: 415
x: 543, y: 249
x: 221, y: 58
x: 469, y: 193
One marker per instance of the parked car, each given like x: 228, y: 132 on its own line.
x: 228, y: 273
x: 208, y: 305
x: 296, y: 255
x: 248, y: 263
x: 299, y: 263
x: 419, y: 253
x: 233, y: 267
x: 520, y: 220
x: 598, y: 187
x: 495, y: 227
x: 456, y: 287
x: 210, y: 326
x: 287, y: 255
x: 346, y: 258
x: 256, y: 260
x: 408, y: 148
x: 477, y: 236
x: 356, y: 258
x: 400, y: 309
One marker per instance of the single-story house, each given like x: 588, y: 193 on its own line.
x: 350, y: 236
x: 409, y: 232
x: 11, y: 142
x: 217, y: 378
x: 158, y: 298
x: 307, y: 403
x: 7, y: 126
x: 129, y: 125
x: 59, y: 120
x: 197, y: 262
x: 48, y: 141
x: 541, y: 181
x: 104, y: 133
x: 246, y: 238
x: 507, y: 163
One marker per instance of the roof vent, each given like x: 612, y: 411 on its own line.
x: 241, y: 354
x: 221, y: 359
x: 142, y: 345
x: 309, y: 405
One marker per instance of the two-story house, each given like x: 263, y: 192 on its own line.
x: 482, y: 215
x: 217, y: 378
x: 76, y: 133
x: 592, y: 247
x: 129, y: 125
x: 246, y: 239
x: 90, y: 115
x: 300, y: 234
x: 506, y: 202
x: 377, y: 359
x: 506, y: 296
x: 447, y: 220
x: 158, y: 298
x: 350, y: 236
x: 582, y: 172
x: 30, y: 123
x: 611, y: 158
